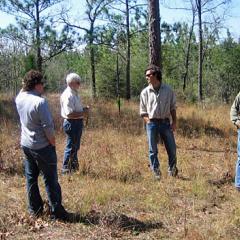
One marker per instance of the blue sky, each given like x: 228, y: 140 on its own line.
x: 232, y: 20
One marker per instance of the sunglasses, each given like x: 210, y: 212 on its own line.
x: 149, y: 75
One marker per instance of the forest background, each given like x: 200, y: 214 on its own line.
x: 106, y: 43
x: 114, y: 191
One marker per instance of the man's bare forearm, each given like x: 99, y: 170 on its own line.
x: 82, y: 114
x: 52, y: 140
x: 174, y: 116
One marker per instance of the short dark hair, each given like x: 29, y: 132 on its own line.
x: 31, y: 79
x: 156, y: 70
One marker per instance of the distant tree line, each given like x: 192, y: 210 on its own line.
x: 111, y: 50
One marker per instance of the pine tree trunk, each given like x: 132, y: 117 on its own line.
x: 200, y: 51
x: 185, y: 76
x: 154, y: 33
x: 128, y: 88
x: 38, y: 39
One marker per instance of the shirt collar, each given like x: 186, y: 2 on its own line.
x: 34, y: 92
x: 152, y: 89
x: 73, y: 91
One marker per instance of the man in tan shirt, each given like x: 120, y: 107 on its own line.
x: 158, y: 109
x: 235, y: 118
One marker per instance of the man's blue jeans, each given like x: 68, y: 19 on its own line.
x: 45, y: 161
x: 154, y: 129
x: 73, y: 129
x: 237, y: 176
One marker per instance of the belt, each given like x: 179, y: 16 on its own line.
x: 160, y: 120
x: 73, y: 119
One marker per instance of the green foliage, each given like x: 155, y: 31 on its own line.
x: 61, y: 65
x: 106, y: 73
x: 18, y: 52
x: 36, y: 28
x: 224, y: 73
x: 29, y: 62
x: 139, y: 61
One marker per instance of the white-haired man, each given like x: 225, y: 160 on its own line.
x: 73, y: 113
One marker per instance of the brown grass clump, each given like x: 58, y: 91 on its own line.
x: 114, y: 193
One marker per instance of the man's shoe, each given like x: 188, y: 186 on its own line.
x: 65, y: 171
x: 173, y: 172
x: 75, y: 166
x: 157, y: 174
x: 61, y: 214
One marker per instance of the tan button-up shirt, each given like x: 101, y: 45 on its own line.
x: 157, y: 104
x: 70, y: 102
x: 235, y: 110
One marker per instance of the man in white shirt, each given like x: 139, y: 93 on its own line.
x: 158, y: 109
x: 73, y: 113
x: 235, y: 118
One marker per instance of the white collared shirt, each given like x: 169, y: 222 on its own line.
x: 235, y: 110
x: 70, y: 102
x: 157, y: 104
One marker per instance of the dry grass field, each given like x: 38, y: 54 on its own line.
x: 114, y: 191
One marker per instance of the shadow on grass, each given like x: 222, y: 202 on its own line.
x: 12, y: 171
x: 124, y: 177
x: 227, y: 178
x: 118, y: 221
x: 192, y: 127
x: 183, y: 178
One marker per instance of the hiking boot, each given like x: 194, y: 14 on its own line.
x: 61, y: 214
x: 157, y: 174
x: 65, y: 171
x: 75, y: 166
x: 173, y: 172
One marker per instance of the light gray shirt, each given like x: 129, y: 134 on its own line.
x: 235, y: 110
x: 36, y: 120
x: 70, y: 102
x: 157, y: 104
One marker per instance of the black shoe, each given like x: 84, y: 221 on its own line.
x: 65, y: 216
x: 36, y: 213
x: 173, y: 172
x: 65, y: 171
x: 75, y: 166
x: 59, y: 213
x: 157, y: 174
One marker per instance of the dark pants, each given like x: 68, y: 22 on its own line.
x: 45, y: 161
x: 73, y: 129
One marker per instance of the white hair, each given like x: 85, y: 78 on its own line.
x: 72, y: 77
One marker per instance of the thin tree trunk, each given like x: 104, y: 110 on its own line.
x: 154, y: 33
x: 188, y: 54
x: 118, y: 86
x: 92, y: 59
x: 200, y: 51
x: 128, y: 89
x: 38, y: 40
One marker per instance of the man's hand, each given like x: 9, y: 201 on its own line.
x: 237, y: 124
x: 52, y: 140
x: 173, y: 126
x: 146, y: 119
x: 86, y: 111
